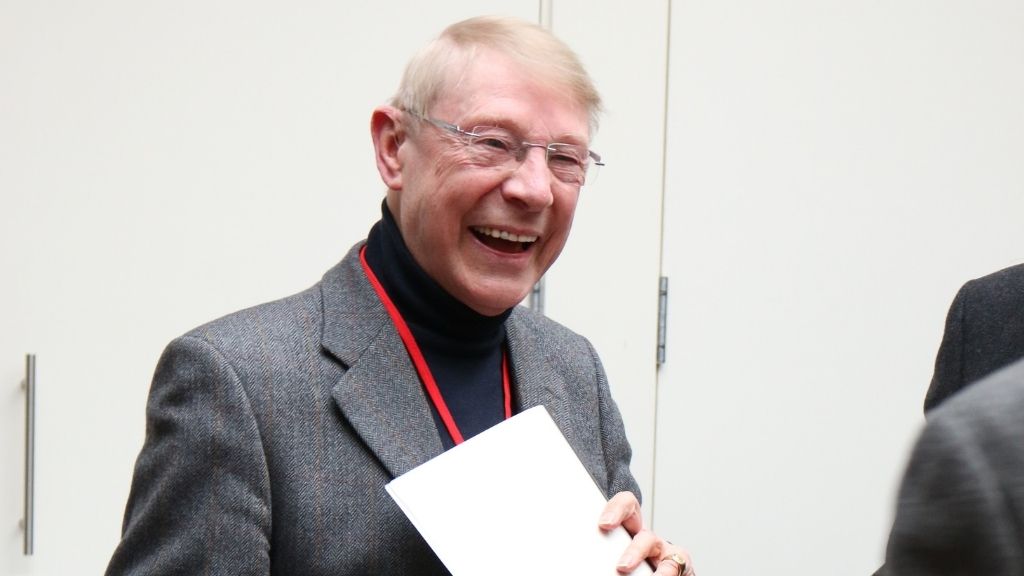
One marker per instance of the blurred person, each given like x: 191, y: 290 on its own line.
x: 984, y: 332
x: 960, y: 509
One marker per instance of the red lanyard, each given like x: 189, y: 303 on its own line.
x: 421, y: 364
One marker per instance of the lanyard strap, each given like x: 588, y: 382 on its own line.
x: 433, y: 392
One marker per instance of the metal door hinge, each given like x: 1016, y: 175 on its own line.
x: 662, y: 317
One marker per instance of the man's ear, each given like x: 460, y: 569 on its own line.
x: 388, y: 135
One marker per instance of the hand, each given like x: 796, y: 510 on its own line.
x: 624, y: 510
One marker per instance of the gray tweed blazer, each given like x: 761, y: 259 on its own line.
x: 960, y: 510
x: 271, y: 432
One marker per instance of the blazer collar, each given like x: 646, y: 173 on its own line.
x: 379, y: 394
x: 536, y: 382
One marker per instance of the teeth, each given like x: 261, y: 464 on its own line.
x: 503, y: 234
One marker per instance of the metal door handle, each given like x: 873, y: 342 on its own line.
x: 29, y: 384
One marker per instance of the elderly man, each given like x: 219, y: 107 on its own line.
x: 272, y: 432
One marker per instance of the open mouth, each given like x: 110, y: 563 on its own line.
x: 502, y: 240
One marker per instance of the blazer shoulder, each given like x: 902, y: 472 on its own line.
x: 1003, y: 286
x: 984, y: 331
x: 295, y: 317
x: 539, y: 330
x: 544, y: 349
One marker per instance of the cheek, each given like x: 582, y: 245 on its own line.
x: 563, y: 214
x: 447, y: 163
x: 565, y: 209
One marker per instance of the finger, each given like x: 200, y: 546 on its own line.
x: 645, y: 545
x: 622, y: 510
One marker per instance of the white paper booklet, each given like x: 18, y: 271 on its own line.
x: 512, y: 500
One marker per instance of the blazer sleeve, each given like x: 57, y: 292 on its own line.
x: 200, y: 496
x: 953, y: 514
x: 613, y: 436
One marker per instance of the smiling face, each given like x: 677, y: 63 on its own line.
x: 485, y: 234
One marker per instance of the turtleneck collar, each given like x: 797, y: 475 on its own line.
x: 438, y: 320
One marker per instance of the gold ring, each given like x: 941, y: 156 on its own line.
x: 679, y: 560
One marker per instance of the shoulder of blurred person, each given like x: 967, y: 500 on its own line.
x: 984, y: 332
x: 960, y: 509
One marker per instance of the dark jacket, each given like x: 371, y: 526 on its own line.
x: 984, y: 332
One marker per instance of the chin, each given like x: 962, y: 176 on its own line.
x: 497, y: 301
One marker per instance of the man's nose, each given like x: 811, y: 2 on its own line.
x: 530, y: 183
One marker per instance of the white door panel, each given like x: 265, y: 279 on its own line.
x: 836, y: 171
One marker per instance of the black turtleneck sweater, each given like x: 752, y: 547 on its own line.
x: 463, y: 348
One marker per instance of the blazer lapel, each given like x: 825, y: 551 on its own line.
x: 380, y: 393
x: 539, y: 382
x: 536, y: 383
